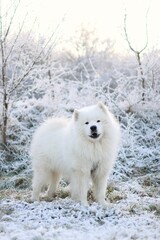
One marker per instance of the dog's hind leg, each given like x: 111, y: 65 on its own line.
x: 38, y: 183
x: 53, y: 183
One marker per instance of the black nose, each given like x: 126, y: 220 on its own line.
x: 93, y: 128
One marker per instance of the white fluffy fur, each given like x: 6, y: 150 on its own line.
x: 64, y: 147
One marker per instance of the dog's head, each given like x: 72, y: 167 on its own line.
x: 91, y: 120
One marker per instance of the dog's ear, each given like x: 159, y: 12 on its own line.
x: 75, y: 114
x: 102, y: 106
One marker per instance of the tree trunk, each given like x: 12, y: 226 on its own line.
x: 142, y: 76
x: 4, y: 119
x: 5, y: 97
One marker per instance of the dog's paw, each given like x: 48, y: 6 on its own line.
x: 105, y: 204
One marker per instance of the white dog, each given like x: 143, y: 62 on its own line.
x: 83, y: 148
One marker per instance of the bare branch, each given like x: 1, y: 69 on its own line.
x: 10, y: 85
x: 11, y: 21
x: 126, y: 34
x: 52, y: 35
x: 145, y: 46
x: 36, y: 58
x: 18, y: 34
x: 0, y: 24
x: 10, y: 7
x: 127, y: 38
x: 23, y: 77
x: 138, y: 52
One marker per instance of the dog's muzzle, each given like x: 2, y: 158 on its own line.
x: 94, y: 133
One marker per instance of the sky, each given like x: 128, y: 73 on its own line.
x: 106, y: 16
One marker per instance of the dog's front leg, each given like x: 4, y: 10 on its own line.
x: 100, y: 185
x: 79, y: 186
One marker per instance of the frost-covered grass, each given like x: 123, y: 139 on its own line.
x: 132, y: 216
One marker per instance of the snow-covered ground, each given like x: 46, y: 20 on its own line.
x: 133, y: 193
x: 132, y: 215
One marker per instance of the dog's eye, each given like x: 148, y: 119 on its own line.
x: 98, y: 121
x: 86, y: 123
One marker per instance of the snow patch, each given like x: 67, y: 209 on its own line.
x: 65, y: 219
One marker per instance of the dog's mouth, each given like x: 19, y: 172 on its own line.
x: 94, y: 135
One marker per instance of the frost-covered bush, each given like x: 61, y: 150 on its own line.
x: 139, y: 153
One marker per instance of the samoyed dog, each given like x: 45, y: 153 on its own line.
x: 82, y: 148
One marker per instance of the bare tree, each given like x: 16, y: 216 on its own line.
x: 16, y: 60
x: 4, y: 60
x: 138, y: 53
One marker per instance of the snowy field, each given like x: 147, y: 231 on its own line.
x: 133, y: 213
x: 134, y: 216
